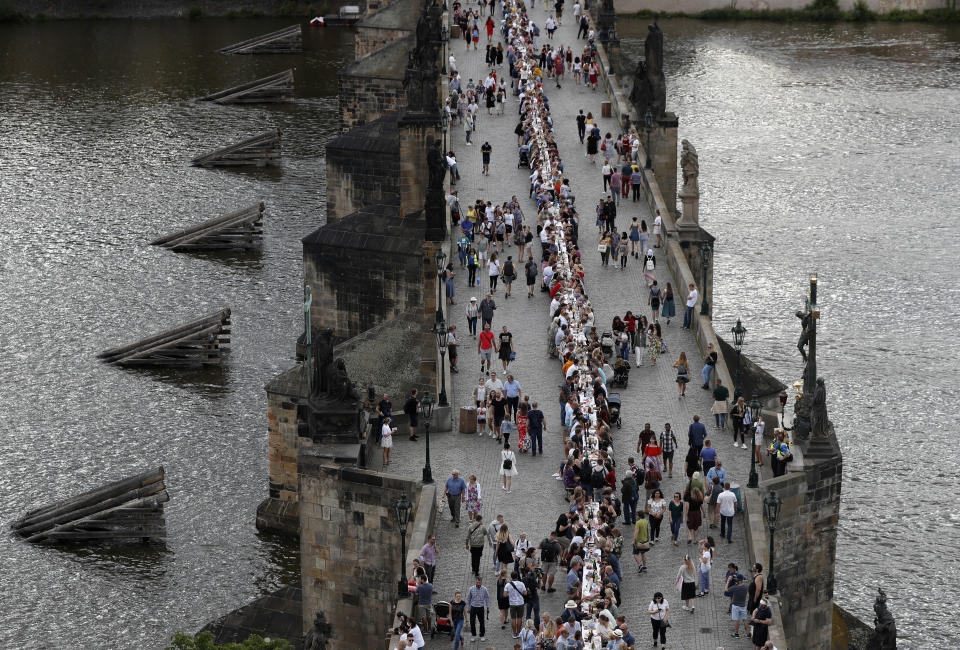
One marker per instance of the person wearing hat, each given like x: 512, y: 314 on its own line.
x: 472, y: 313
x: 570, y: 612
x: 761, y: 619
x: 738, y: 603
x: 616, y: 641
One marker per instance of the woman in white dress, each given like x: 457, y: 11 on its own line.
x: 386, y: 439
x: 508, y: 465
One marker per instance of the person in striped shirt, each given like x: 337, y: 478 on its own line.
x: 668, y: 445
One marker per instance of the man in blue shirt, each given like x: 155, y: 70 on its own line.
x: 513, y: 391
x: 708, y: 455
x: 478, y: 599
x: 535, y: 424
x: 454, y: 490
x: 696, y: 434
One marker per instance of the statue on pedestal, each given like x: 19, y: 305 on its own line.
x: 649, y: 84
x: 884, y: 636
x: 690, y: 166
x: 423, y: 71
x: 318, y: 635
x: 814, y: 395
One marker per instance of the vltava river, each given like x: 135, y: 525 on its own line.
x: 834, y: 149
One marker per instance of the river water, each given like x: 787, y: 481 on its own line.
x: 828, y: 149
x: 97, y: 125
x: 834, y: 149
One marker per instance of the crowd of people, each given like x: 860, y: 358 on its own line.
x: 607, y: 509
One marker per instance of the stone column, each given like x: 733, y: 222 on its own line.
x: 663, y: 152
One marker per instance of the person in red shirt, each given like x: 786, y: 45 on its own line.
x: 485, y: 348
x: 489, y: 29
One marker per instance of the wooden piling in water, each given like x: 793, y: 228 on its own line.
x: 260, y: 150
x: 131, y: 508
x: 240, y: 229
x: 288, y: 40
x: 194, y: 344
x: 273, y: 89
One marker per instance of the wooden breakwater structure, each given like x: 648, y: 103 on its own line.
x: 128, y: 509
x: 241, y: 229
x: 260, y: 150
x: 276, y: 88
x: 194, y: 344
x: 288, y: 40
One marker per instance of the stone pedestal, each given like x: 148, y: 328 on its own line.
x: 416, y: 131
x: 663, y: 151
x: 689, y: 220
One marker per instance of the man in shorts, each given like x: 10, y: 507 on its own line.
x: 550, y: 550
x: 485, y: 348
x: 411, y: 408
x: 514, y: 591
x: 738, y: 606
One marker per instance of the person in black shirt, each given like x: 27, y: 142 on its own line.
x: 499, y: 404
x: 550, y: 551
x: 412, y: 408
x: 581, y: 125
x: 485, y: 151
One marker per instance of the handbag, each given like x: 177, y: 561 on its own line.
x: 650, y: 265
x: 664, y: 624
x: 513, y: 356
x: 602, y: 248
x: 679, y: 584
x: 507, y: 463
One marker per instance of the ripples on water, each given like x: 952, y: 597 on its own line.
x: 833, y: 149
x: 97, y: 125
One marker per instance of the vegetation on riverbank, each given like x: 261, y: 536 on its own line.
x: 818, y: 11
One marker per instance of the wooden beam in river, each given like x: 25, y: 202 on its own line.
x: 260, y: 150
x: 240, y: 229
x: 128, y: 509
x: 273, y: 89
x: 285, y: 41
x: 194, y: 344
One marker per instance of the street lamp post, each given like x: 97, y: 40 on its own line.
x: 440, y: 257
x: 402, y: 508
x: 739, y: 333
x: 426, y: 411
x: 442, y: 344
x: 771, y: 509
x: 756, y: 410
x: 648, y: 127
x: 705, y: 261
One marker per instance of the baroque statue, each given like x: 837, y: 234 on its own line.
x: 321, y: 350
x: 436, y: 165
x: 810, y: 411
x: 649, y: 83
x: 317, y: 636
x: 420, y: 79
x: 884, y: 636
x: 690, y: 166
x: 819, y: 424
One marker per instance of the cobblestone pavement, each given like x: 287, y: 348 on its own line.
x: 537, y: 498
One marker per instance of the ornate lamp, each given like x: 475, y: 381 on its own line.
x: 771, y: 510
x: 402, y: 507
x: 648, y: 127
x: 426, y: 411
x: 739, y: 334
x: 442, y: 332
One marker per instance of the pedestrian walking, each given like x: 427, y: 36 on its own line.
x: 453, y: 342
x: 653, y: 299
x: 515, y: 590
x: 683, y: 373
x: 509, y: 275
x: 458, y: 607
x: 687, y: 577
x: 676, y: 508
x: 694, y: 511
x: 709, y: 363
x: 658, y: 229
x: 581, y: 118
x: 656, y: 509
x: 761, y: 619
x: 485, y: 348
x: 659, y: 611
x: 669, y: 309
x: 474, y: 498
x: 508, y: 466
x: 429, y: 554
x: 727, y: 502
x: 478, y: 600
x: 532, y: 272
x: 505, y: 350
x: 706, y: 563
x: 476, y: 538
x: 668, y: 446
x: 485, y: 151
x: 454, y: 490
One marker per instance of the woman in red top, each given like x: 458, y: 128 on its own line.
x: 489, y: 29
x: 522, y: 428
x: 631, y: 323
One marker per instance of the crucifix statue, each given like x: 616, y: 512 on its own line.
x: 814, y: 396
x: 307, y: 336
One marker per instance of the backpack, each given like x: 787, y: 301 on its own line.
x: 653, y: 478
x: 598, y: 477
x: 627, y: 486
x: 509, y: 271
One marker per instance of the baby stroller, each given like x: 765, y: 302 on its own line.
x: 606, y: 343
x: 441, y: 617
x: 621, y: 373
x: 524, y: 160
x: 613, y: 404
